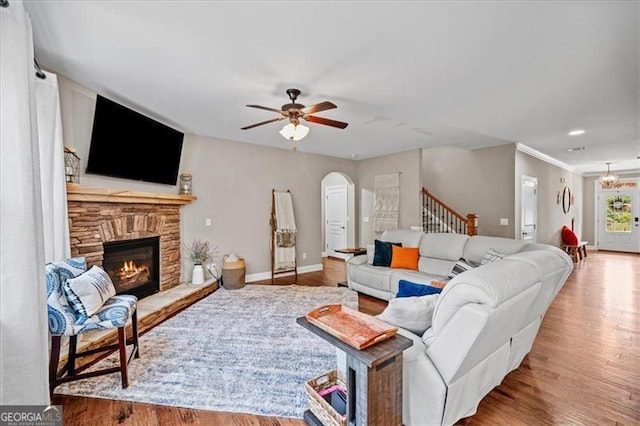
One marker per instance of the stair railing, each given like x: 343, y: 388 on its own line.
x: 437, y: 216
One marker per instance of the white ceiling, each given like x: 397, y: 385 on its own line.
x: 404, y: 75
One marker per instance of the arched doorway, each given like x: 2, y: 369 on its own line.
x: 338, y: 213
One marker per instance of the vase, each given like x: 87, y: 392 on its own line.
x: 198, y: 275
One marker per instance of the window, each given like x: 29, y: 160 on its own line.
x: 618, y: 213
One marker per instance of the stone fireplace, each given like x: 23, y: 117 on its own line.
x: 101, y: 220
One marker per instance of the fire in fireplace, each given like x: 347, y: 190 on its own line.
x: 134, y: 265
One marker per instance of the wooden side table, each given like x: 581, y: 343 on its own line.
x: 374, y: 379
x: 577, y: 252
x: 356, y: 251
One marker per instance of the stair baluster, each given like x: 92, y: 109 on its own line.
x: 439, y: 217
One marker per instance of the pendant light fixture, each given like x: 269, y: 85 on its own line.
x: 610, y: 179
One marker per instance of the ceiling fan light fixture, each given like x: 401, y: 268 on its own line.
x: 294, y: 132
x: 610, y: 179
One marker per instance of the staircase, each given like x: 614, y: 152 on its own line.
x: 438, y: 217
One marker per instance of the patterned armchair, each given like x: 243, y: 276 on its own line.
x: 64, y: 321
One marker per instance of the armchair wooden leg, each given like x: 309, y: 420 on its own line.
x: 134, y: 329
x: 53, y: 363
x: 122, y: 345
x: 71, y: 360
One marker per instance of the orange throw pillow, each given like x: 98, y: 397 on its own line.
x: 404, y: 257
x: 569, y: 237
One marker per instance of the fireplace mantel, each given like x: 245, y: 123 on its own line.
x: 76, y: 192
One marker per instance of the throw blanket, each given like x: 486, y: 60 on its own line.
x: 284, y: 232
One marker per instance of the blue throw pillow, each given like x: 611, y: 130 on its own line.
x: 409, y: 289
x: 382, y: 253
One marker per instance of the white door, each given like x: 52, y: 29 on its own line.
x: 528, y: 208
x: 335, y: 214
x: 618, y: 220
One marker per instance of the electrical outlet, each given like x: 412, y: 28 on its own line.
x: 207, y: 222
x: 365, y: 219
x: 304, y: 256
x: 504, y: 221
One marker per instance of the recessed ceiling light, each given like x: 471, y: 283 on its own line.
x: 576, y: 132
x: 578, y: 148
x: 354, y: 155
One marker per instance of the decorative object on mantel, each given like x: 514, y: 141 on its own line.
x: 185, y: 183
x: 71, y: 165
x: 199, y: 251
x: 610, y: 179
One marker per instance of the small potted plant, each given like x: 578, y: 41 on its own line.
x: 199, y: 251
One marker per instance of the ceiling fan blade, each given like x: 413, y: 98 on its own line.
x: 264, y: 122
x: 326, y: 121
x: 322, y: 106
x: 266, y: 108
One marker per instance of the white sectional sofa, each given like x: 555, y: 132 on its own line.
x: 480, y: 327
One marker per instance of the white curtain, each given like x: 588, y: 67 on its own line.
x: 52, y: 169
x: 23, y: 310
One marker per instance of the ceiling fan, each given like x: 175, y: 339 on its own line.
x: 294, y: 112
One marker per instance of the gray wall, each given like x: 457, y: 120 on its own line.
x: 408, y: 164
x: 233, y: 183
x: 479, y: 181
x: 551, y: 182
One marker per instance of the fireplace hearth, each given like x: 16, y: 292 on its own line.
x: 134, y: 265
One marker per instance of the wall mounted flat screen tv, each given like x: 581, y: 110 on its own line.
x: 129, y: 145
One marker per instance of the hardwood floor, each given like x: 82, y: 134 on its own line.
x: 584, y: 367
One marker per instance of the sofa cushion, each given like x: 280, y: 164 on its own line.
x: 408, y: 237
x: 411, y: 313
x: 376, y: 277
x: 410, y: 289
x: 447, y: 246
x: 433, y: 266
x: 478, y: 245
x: 404, y: 257
x: 413, y: 276
x: 371, y: 249
x: 382, y: 253
x: 460, y: 267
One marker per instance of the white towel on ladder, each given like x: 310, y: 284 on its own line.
x: 284, y: 212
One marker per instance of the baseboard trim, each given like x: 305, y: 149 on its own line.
x: 267, y: 275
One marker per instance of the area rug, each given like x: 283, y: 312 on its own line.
x: 235, y: 351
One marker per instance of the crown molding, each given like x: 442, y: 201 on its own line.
x: 544, y: 157
x: 618, y: 172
